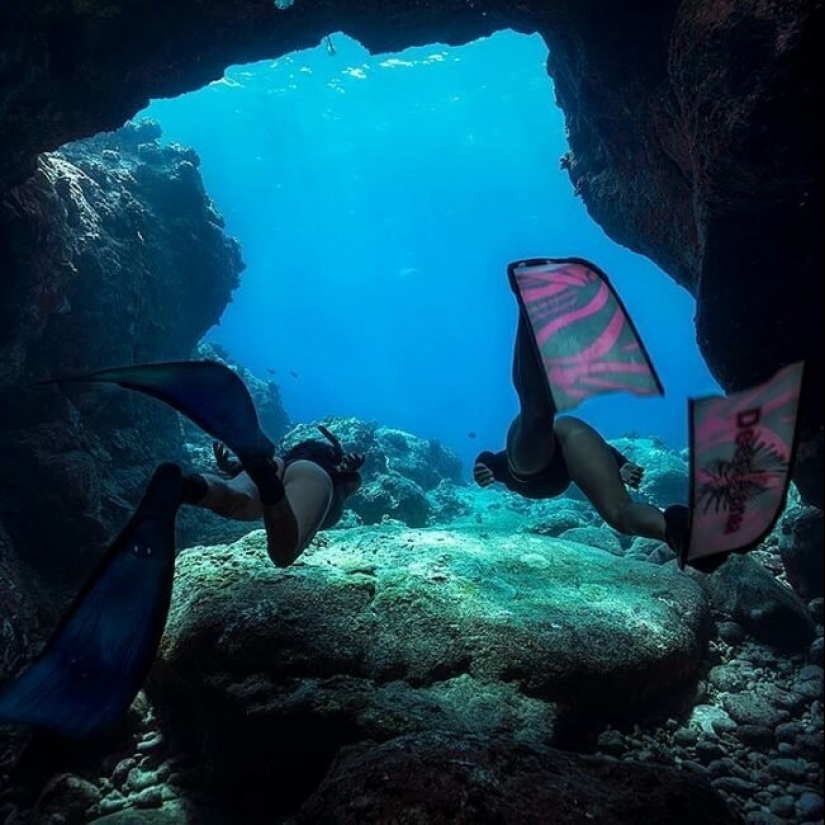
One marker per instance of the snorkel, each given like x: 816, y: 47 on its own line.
x: 334, y: 440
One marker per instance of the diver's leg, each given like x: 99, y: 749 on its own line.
x: 235, y: 498
x: 593, y: 468
x: 292, y: 523
x: 530, y: 439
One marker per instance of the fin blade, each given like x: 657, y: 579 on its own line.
x: 208, y: 393
x: 95, y: 662
x: 584, y: 337
x: 741, y: 448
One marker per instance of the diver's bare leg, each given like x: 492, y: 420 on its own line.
x: 530, y: 438
x: 593, y: 468
x: 235, y: 498
x: 292, y: 523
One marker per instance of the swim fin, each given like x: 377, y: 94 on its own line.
x: 742, y: 449
x: 207, y: 392
x: 582, y: 335
x: 91, y: 669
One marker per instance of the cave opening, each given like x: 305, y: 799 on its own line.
x: 377, y: 199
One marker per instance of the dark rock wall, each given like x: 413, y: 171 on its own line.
x: 696, y: 132
x: 19, y: 607
x: 112, y: 254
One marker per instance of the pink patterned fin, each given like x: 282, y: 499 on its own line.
x: 585, y: 339
x: 741, y: 455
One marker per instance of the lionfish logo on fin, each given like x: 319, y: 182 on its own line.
x: 731, y: 485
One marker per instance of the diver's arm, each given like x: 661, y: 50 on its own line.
x: 495, y: 464
x: 630, y: 472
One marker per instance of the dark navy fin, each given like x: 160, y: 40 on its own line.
x: 207, y: 392
x: 87, y: 676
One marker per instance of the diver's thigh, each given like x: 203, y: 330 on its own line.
x: 309, y: 491
x: 530, y: 444
x: 592, y: 466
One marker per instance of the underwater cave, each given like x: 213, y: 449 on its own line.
x: 445, y: 653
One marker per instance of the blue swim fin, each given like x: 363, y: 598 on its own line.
x: 207, y: 392
x: 91, y: 669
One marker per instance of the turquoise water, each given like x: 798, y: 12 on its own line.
x: 378, y: 200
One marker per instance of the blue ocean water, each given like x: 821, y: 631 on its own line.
x: 378, y: 200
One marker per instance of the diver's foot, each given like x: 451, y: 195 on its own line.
x: 264, y: 471
x: 677, y: 535
x: 677, y: 531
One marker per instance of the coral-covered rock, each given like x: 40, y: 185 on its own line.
x: 665, y: 480
x: 424, y: 461
x: 391, y: 495
x: 448, y: 502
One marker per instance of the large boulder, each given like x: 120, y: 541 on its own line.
x: 561, y: 619
x: 767, y: 609
x: 467, y: 779
x: 375, y: 633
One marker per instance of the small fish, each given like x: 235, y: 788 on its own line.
x: 330, y: 46
x: 271, y: 371
x: 293, y: 374
x: 471, y: 434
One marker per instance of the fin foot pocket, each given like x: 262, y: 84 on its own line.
x: 677, y: 531
x: 264, y: 472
